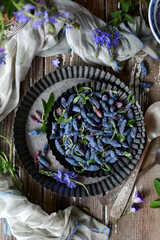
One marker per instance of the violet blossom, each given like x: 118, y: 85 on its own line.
x: 107, y: 39
x: 21, y: 17
x: 2, y: 56
x: 134, y: 208
x: 138, y: 198
x: 56, y: 62
x: 66, y: 177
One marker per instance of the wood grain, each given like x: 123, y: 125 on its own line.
x: 143, y: 225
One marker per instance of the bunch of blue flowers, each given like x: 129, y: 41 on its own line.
x: 108, y: 39
x: 23, y: 12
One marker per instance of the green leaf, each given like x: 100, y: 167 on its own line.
x: 127, y: 154
x: 77, y: 153
x: 49, y: 103
x: 154, y: 204
x: 44, y: 104
x: 120, y: 137
x: 81, y: 89
x: 85, y: 142
x: 129, y: 18
x: 116, y: 14
x: 86, y: 209
x: 125, y: 5
x: 76, y: 99
x: 157, y: 186
x: 109, y: 90
x: 131, y: 122
x: 84, y: 99
x: 64, y: 120
x: 91, y: 161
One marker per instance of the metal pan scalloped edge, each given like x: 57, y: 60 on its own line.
x: 120, y: 170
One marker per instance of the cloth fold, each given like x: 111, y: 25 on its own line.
x: 28, y: 221
x: 29, y: 42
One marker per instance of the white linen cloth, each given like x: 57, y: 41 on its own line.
x: 29, y: 42
x: 28, y: 221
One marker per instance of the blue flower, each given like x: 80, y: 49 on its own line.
x: 66, y: 177
x: 39, y: 21
x: 2, y: 56
x: 66, y: 14
x: 52, y: 20
x: 58, y: 176
x: 56, y: 62
x: 106, y: 39
x: 134, y: 208
x: 28, y: 7
x: 21, y: 17
x: 138, y: 198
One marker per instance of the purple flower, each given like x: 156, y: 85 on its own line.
x: 66, y: 14
x: 45, y: 16
x: 138, y: 198
x: 52, y: 20
x: 28, y: 7
x: 21, y: 17
x: 116, y: 38
x: 39, y: 21
x: 56, y: 62
x: 107, y: 39
x: 66, y: 177
x: 134, y: 208
x: 58, y: 176
x: 2, y: 56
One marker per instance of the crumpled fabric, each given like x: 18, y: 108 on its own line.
x: 28, y: 221
x: 29, y: 42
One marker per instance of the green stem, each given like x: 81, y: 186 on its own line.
x: 15, y: 179
x: 10, y: 147
x: 81, y: 184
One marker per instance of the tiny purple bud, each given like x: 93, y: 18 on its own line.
x: 134, y: 208
x: 59, y: 110
x: 138, y: 198
x: 79, y: 117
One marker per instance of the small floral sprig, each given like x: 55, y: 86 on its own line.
x: 22, y: 11
x: 133, y: 207
x: 6, y: 164
x: 108, y: 39
x: 68, y: 178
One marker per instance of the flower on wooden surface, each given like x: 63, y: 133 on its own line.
x: 138, y: 198
x: 134, y: 208
x: 56, y: 62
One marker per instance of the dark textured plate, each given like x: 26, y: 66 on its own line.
x: 122, y: 97
x: 120, y: 170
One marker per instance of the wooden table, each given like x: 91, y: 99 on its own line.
x: 143, y: 225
